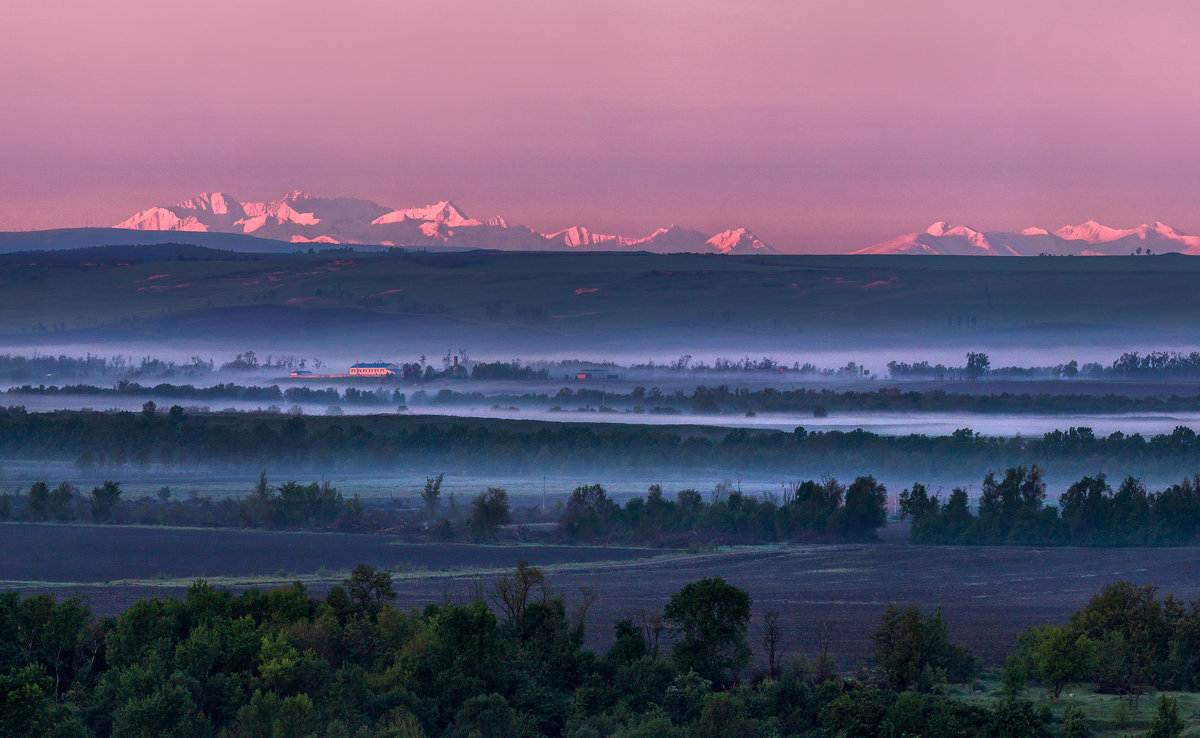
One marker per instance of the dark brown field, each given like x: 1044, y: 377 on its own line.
x: 988, y: 594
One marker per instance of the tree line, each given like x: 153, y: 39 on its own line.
x: 704, y: 399
x: 1012, y: 509
x: 825, y: 510
x: 97, y: 441
x: 810, y: 510
x: 1159, y: 365
x: 510, y: 661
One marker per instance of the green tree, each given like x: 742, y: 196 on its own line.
x: 865, y: 510
x: 1074, y: 723
x: 1166, y: 722
x: 914, y: 652
x: 489, y: 511
x: 916, y: 502
x: 262, y: 489
x: 167, y: 712
x: 39, y: 500
x: 724, y: 716
x: 60, y: 499
x: 368, y: 588
x: 27, y: 707
x: 104, y: 498
x: 978, y: 364
x: 484, y: 716
x: 1013, y: 717
x: 710, y: 618
x: 588, y: 511
x: 432, y: 494
x: 1059, y: 655
x: 1127, y: 624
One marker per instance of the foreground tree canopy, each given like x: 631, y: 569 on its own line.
x: 511, y: 663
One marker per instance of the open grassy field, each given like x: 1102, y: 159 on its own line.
x: 1106, y: 717
x: 589, y: 300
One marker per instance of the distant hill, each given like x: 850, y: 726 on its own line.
x: 121, y: 255
x: 1086, y: 239
x: 77, y: 238
x: 589, y: 305
x: 303, y: 218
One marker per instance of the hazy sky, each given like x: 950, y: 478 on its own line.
x: 821, y: 125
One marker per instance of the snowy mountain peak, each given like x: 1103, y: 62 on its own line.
x: 162, y: 219
x: 295, y: 195
x: 444, y: 211
x: 216, y: 203
x: 944, y: 228
x: 738, y: 241
x: 1158, y: 228
x: 1092, y: 232
x: 577, y: 236
x: 303, y: 218
x: 1086, y: 239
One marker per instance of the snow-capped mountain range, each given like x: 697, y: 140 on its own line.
x: 1085, y: 239
x: 300, y: 217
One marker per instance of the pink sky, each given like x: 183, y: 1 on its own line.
x: 824, y: 126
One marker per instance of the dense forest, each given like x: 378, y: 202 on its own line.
x: 1012, y: 510
x: 97, y: 441
x: 511, y: 663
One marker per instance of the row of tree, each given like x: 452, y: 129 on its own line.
x: 290, y: 505
x: 1129, y: 365
x: 120, y: 440
x: 221, y: 391
x: 810, y: 510
x: 1012, y: 509
x: 825, y: 510
x: 707, y: 399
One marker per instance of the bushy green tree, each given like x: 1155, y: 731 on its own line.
x: 1059, y: 656
x: 39, y: 500
x: 588, y: 512
x: 104, y: 498
x: 368, y: 588
x: 60, y: 500
x: 1166, y: 722
x: 431, y: 495
x: 914, y: 652
x: 1074, y: 723
x: 489, y: 511
x: 710, y: 619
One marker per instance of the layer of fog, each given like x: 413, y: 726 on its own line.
x: 882, y: 423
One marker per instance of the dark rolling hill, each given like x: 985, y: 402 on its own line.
x: 76, y: 238
x: 593, y: 302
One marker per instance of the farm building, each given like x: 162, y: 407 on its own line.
x: 596, y: 374
x: 378, y: 369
